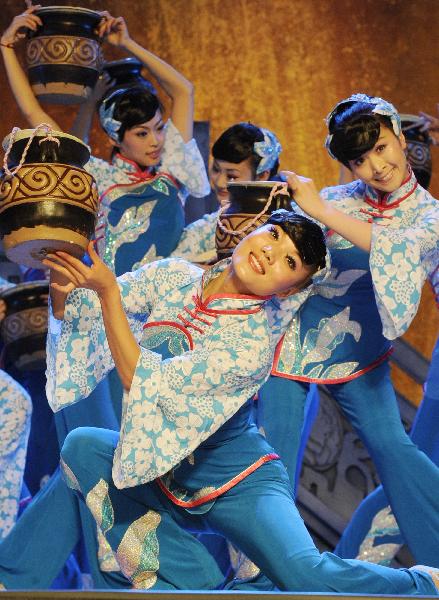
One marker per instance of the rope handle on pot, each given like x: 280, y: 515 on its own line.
x: 49, y: 137
x: 278, y: 189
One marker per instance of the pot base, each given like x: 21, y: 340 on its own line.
x: 61, y: 93
x: 29, y: 246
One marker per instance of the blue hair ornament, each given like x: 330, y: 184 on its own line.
x: 269, y: 150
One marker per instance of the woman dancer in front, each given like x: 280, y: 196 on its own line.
x: 142, y: 190
x: 187, y: 457
x: 383, y: 232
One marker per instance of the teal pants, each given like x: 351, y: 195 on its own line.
x: 410, y: 479
x: 152, y: 537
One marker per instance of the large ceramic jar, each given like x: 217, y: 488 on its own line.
x: 126, y: 73
x: 48, y: 202
x: 64, y: 54
x: 23, y: 331
x: 250, y: 205
x: 418, y: 148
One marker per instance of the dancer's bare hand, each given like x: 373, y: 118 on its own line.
x: 113, y: 29
x: 304, y: 193
x: 97, y: 277
x: 20, y: 24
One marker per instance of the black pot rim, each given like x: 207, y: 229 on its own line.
x: 41, y: 284
x: 253, y: 184
x: 68, y: 10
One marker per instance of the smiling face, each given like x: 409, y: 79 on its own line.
x: 267, y: 262
x: 143, y: 143
x: 384, y: 167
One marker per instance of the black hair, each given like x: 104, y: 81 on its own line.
x: 236, y: 144
x: 133, y: 106
x: 307, y: 236
x: 355, y: 130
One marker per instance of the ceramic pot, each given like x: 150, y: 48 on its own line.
x: 24, y: 329
x: 126, y: 73
x: 49, y: 203
x: 246, y: 211
x: 418, y: 148
x: 64, y: 55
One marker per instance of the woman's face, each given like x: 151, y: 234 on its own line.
x: 267, y: 262
x: 144, y: 143
x: 222, y: 172
x: 384, y: 167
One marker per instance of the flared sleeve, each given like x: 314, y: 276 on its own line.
x: 400, y: 261
x: 197, y: 243
x: 78, y: 354
x: 184, y: 162
x: 175, y: 404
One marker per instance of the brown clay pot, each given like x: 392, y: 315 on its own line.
x: 247, y: 200
x: 418, y: 148
x: 64, y: 54
x: 50, y: 203
x: 24, y: 329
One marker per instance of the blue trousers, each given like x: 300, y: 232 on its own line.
x: 425, y: 434
x: 152, y: 538
x: 38, y: 546
x: 409, y: 478
x: 277, y: 412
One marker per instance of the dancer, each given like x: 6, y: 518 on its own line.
x: 155, y: 164
x: 383, y: 236
x: 142, y: 212
x: 372, y: 533
x: 215, y: 337
x: 245, y: 152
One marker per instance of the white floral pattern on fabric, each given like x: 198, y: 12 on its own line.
x: 174, y: 404
x: 382, y: 289
x: 184, y: 162
x: 15, y: 416
x: 400, y: 262
x: 197, y: 244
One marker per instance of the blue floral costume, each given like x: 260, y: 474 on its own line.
x: 142, y: 211
x: 341, y: 335
x: 188, y: 458
x: 141, y: 218
x: 15, y: 415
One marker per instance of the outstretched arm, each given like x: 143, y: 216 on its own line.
x: 178, y: 88
x: 305, y: 194
x: 18, y: 81
x: 99, y: 278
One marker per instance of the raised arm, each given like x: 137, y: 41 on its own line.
x: 84, y: 117
x: 18, y: 81
x: 305, y: 194
x: 178, y: 88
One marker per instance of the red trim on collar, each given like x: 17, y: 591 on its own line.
x: 203, y: 305
x: 137, y: 168
x: 381, y: 207
x: 222, y: 489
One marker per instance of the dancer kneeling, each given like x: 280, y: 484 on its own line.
x: 191, y: 349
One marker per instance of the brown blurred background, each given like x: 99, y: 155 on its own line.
x: 283, y: 64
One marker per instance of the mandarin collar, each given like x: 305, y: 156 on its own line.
x: 131, y: 167
x: 227, y: 303
x: 382, y: 201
